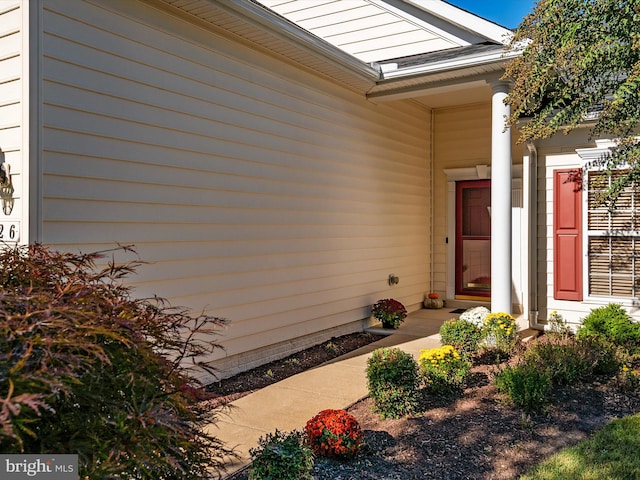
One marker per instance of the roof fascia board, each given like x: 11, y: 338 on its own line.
x: 279, y: 26
x: 447, y: 65
x: 465, y: 20
x: 426, y: 88
x: 433, y: 88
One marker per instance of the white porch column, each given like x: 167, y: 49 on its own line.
x: 500, y: 200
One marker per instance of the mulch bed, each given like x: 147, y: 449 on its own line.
x: 232, y: 388
x: 475, y: 435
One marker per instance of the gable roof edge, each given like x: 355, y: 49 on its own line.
x: 497, y: 57
x: 279, y: 26
x: 464, y: 19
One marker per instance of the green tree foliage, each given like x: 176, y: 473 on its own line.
x: 581, y: 65
x: 87, y: 369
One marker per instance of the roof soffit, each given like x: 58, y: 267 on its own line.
x: 376, y: 30
x: 428, y: 74
x: 258, y: 25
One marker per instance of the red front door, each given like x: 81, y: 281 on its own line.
x: 473, y: 239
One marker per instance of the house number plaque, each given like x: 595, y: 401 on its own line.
x: 9, y: 232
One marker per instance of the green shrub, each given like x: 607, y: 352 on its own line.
x: 613, y: 323
x: 570, y: 360
x: 462, y: 334
x: 443, y: 370
x: 500, y: 333
x: 393, y: 382
x: 525, y: 385
x: 281, y: 456
x: 557, y: 326
x: 602, y: 355
x: 564, y: 362
x: 86, y: 369
x: 628, y: 379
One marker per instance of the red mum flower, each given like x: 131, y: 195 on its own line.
x: 334, y: 433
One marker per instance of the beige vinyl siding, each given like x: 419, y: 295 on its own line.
x: 554, y: 154
x: 12, y: 104
x: 256, y: 190
x: 462, y: 138
x: 551, y: 159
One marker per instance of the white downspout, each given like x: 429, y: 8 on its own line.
x: 431, y: 214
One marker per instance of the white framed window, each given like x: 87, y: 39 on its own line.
x: 612, y: 239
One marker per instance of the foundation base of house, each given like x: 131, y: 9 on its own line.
x: 232, y: 365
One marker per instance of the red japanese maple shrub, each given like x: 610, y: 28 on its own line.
x: 88, y: 368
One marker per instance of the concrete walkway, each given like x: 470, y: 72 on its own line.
x: 288, y: 404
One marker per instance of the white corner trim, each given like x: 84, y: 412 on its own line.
x: 479, y: 172
x: 469, y: 173
x: 590, y: 155
x: 483, y: 171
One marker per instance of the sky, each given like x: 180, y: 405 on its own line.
x: 508, y: 13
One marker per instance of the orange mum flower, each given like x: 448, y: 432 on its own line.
x: 334, y: 433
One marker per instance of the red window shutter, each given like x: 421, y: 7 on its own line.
x: 567, y: 235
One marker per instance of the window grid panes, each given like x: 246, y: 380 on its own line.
x: 613, y: 243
